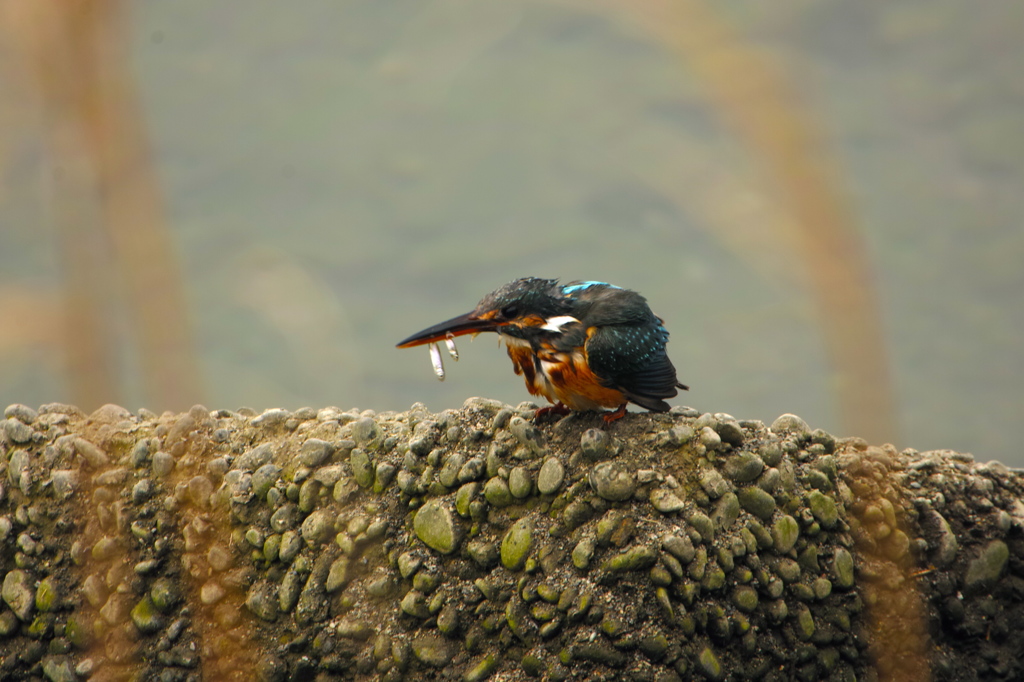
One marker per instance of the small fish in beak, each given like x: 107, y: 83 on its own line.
x: 452, y: 350
x: 435, y: 360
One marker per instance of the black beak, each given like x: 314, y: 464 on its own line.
x: 457, y: 326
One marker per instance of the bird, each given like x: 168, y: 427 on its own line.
x: 585, y: 345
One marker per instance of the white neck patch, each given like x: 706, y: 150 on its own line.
x: 555, y: 324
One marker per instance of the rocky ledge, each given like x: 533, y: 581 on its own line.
x: 474, y: 544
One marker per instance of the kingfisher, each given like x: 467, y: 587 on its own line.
x: 582, y: 345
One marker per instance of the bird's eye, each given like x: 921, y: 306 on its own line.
x: 509, y: 312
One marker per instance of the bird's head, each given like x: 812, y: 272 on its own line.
x: 518, y: 308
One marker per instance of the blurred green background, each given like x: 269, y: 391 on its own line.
x: 336, y: 176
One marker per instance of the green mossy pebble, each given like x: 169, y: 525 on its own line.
x: 378, y: 587
x: 263, y: 479
x: 105, y: 548
x: 778, y: 611
x: 757, y: 502
x: 527, y: 434
x: 47, y: 597
x: 485, y: 554
x: 714, y: 578
x: 18, y: 433
x: 365, y: 430
x: 600, y: 652
x: 825, y: 439
x: 771, y: 454
x: 842, y: 568
x: 672, y: 565
x: 317, y: 528
x: 804, y: 622
x: 679, y: 546
x: 408, y: 564
x: 551, y: 475
x: 655, y: 646
x: 262, y: 601
x: 665, y: 604
x: 699, y: 564
x: 666, y: 501
x: 496, y: 492
x: 633, y: 559
x: 710, y: 439
x: 482, y: 669
x: 788, y: 570
x: 816, y: 479
x: 986, y: 568
x: 464, y: 497
x: 550, y: 629
x: 745, y: 598
x: 785, y: 532
x: 679, y: 435
x: 802, y: 592
x: 520, y: 483
x: 566, y: 598
x: 576, y: 514
x: 583, y: 552
x: 713, y: 483
x: 434, y: 525
x: 19, y: 594
x: 362, y: 468
x: 761, y: 535
x: 726, y: 511
x: 516, y: 544
x: 661, y: 576
x: 146, y: 617
x: 808, y: 559
x: 414, y: 603
x: 285, y: 518
x: 824, y: 508
x: 291, y: 543
x: 548, y: 593
x: 703, y: 525
x: 59, y: 669
x: 448, y: 620
x: 533, y: 665
x: 449, y: 473
x: 543, y: 612
x: 432, y: 649
x: 164, y: 594
x: 408, y: 483
x: 315, y: 452
x: 790, y: 423
x: 613, y: 481
x: 383, y: 474
x: 709, y: 664
x: 743, y: 467
x: 426, y: 581
x: 337, y: 575
x: 77, y: 633
x: 730, y: 432
x: 272, y: 547
x: 473, y: 470
x: 353, y: 629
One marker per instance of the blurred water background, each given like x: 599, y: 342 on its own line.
x: 248, y: 204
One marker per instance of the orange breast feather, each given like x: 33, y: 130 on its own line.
x: 577, y: 386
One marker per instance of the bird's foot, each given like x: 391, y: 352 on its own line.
x: 609, y: 417
x: 558, y: 409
